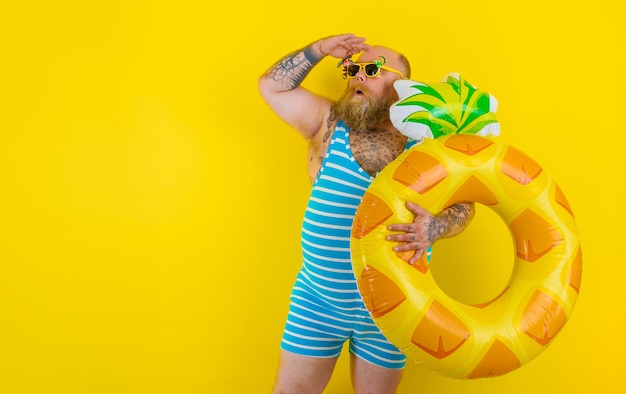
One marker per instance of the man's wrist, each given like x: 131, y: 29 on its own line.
x: 312, y: 55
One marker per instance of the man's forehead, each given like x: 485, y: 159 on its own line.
x: 374, y: 54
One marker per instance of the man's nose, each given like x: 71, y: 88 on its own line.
x: 360, y: 76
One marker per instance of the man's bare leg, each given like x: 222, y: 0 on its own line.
x: 369, y: 378
x: 302, y: 375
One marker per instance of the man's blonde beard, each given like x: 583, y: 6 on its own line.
x: 364, y: 113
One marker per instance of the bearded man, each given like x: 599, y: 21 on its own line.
x: 349, y: 142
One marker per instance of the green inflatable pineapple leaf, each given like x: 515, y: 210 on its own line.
x: 453, y: 106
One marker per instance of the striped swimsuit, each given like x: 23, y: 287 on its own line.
x: 326, y: 308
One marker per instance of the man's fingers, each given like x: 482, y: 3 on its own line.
x: 416, y: 209
x: 406, y: 237
x: 416, y: 257
x: 406, y: 227
x: 407, y: 246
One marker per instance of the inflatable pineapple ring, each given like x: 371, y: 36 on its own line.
x: 431, y: 328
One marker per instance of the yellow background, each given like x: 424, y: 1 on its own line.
x: 151, y: 202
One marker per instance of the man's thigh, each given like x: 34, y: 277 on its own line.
x: 369, y: 378
x: 303, y: 375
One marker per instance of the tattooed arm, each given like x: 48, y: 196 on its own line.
x: 280, y: 86
x: 427, y: 228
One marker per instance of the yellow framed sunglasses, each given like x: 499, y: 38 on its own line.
x: 371, y: 69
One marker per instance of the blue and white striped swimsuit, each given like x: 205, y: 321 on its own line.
x: 326, y: 307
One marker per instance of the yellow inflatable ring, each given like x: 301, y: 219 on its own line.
x: 432, y: 329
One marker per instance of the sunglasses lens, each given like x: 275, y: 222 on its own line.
x: 352, y: 70
x: 371, y: 70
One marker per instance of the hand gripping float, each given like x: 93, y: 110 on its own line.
x: 466, y: 165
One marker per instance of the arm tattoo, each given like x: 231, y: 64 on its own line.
x: 329, y: 123
x: 458, y: 215
x: 436, y: 229
x: 292, y: 69
x: 310, y: 56
x: 454, y: 218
